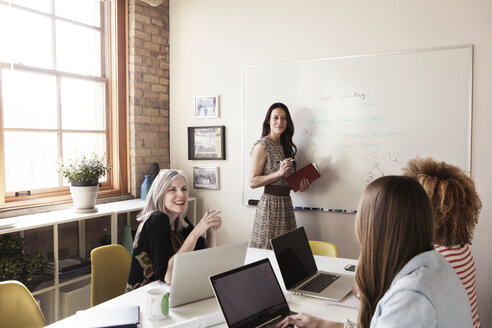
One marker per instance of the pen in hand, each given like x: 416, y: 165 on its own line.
x: 292, y: 160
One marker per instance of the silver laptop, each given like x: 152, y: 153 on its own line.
x: 191, y: 270
x: 250, y: 296
x: 299, y: 270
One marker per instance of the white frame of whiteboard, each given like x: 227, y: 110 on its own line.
x: 469, y: 105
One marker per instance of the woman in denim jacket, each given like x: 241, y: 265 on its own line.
x: 403, y: 281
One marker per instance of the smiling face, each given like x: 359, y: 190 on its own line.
x: 278, y: 121
x: 176, y: 197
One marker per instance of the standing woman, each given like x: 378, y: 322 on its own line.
x: 165, y: 230
x: 271, y: 161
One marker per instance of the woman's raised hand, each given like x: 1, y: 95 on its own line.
x: 285, y: 165
x: 211, y: 219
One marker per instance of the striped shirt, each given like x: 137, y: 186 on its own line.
x: 461, y: 260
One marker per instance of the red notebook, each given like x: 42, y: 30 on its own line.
x: 309, y: 172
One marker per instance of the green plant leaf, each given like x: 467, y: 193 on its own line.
x: 83, y: 168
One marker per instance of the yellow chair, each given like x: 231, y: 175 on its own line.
x: 110, y: 267
x: 323, y: 248
x: 18, y: 308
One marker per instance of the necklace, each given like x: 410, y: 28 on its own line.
x: 176, y: 238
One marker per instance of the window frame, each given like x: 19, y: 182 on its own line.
x: 114, y: 47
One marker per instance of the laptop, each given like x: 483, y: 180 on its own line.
x: 191, y: 270
x: 299, y: 270
x: 250, y: 296
x: 124, y: 316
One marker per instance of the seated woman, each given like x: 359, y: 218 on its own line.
x: 165, y: 231
x: 402, y: 280
x: 456, y: 206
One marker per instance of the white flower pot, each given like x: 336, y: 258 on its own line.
x: 84, y: 198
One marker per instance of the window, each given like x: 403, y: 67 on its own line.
x: 59, y: 63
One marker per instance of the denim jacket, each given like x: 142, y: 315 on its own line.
x: 425, y: 293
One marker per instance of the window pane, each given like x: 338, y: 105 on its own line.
x: 6, y: 48
x: 30, y: 160
x: 87, y: 11
x: 78, y: 144
x: 29, y: 100
x: 30, y: 38
x: 78, y: 49
x: 41, y: 5
x: 82, y: 104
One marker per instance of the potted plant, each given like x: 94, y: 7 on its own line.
x: 83, y: 174
x: 11, y: 268
x: 11, y: 244
x: 14, y: 265
x: 34, y: 265
x: 11, y: 257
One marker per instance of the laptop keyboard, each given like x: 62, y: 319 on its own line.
x: 320, y: 282
x: 274, y: 323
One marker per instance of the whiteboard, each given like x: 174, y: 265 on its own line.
x: 362, y: 117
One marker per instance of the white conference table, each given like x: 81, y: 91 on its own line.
x: 297, y: 303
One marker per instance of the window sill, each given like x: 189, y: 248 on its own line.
x: 41, y: 205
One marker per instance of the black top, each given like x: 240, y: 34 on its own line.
x: 154, y: 245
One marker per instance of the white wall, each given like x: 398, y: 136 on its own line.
x: 212, y: 39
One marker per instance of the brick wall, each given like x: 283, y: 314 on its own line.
x: 148, y: 57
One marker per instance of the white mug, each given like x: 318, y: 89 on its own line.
x: 157, y: 303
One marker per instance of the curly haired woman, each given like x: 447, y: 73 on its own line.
x: 456, y: 206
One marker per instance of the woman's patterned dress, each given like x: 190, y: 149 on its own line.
x: 274, y: 213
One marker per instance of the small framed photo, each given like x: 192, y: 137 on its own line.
x: 207, y: 106
x: 206, y: 142
x: 205, y: 177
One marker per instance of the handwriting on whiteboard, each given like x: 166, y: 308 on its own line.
x: 378, y: 164
x: 349, y: 121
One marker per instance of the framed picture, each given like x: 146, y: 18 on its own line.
x: 206, y: 142
x: 207, y: 106
x: 205, y: 177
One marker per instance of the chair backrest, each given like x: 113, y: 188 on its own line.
x: 323, y: 248
x: 110, y: 267
x: 18, y: 308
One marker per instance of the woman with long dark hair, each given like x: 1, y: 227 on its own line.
x: 272, y: 160
x: 403, y: 281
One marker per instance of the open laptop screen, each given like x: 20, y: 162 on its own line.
x: 294, y: 256
x: 193, y: 285
x: 249, y: 295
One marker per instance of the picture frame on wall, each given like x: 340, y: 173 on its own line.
x: 206, y: 142
x: 207, y: 106
x: 205, y: 177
